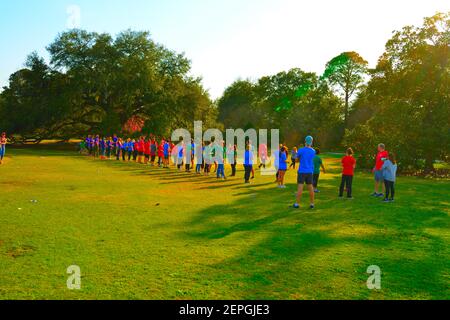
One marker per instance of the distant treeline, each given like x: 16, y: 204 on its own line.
x: 404, y: 102
x: 95, y: 83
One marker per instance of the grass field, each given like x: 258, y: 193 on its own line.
x: 145, y: 233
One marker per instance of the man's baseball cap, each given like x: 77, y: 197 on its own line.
x: 309, y: 140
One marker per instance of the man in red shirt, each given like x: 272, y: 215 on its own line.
x: 377, y: 170
x: 147, y: 145
x: 348, y: 165
x: 141, y: 147
x: 161, y: 153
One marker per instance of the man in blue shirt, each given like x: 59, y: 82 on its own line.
x: 306, y: 170
x: 248, y: 163
x: 166, y: 151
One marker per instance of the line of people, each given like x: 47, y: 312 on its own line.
x: 205, y: 158
x: 210, y: 156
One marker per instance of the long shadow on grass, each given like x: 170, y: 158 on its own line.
x: 396, y: 237
x: 361, y: 234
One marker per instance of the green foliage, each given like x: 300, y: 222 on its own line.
x: 363, y: 142
x: 97, y: 83
x: 409, y: 95
x: 346, y: 72
x: 295, y: 101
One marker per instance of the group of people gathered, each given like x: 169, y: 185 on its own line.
x: 385, y: 172
x: 211, y: 156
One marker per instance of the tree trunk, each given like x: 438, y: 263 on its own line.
x: 346, y: 107
x: 429, y: 163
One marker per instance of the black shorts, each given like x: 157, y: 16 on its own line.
x: 303, y: 178
x: 147, y: 156
x: 140, y: 153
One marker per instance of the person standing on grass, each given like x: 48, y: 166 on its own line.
x: 262, y: 155
x: 115, y: 140
x: 221, y: 156
x: 142, y: 150
x: 166, y: 154
x: 251, y: 150
x: 282, y: 167
x: 213, y: 154
x: 188, y: 156
x: 293, y: 158
x: 162, y: 148
x: 82, y: 147
x: 378, y: 172
x: 207, y: 158
x: 232, y: 158
x: 389, y: 175
x: 97, y: 146
x: 199, y: 158
x: 3, y: 142
x: 103, y: 148
x: 147, y: 146
x: 193, y: 150
x: 88, y: 144
x: 135, y: 150
x: 318, y: 164
x: 180, y: 154
x: 348, y: 165
x: 108, y: 148
x: 125, y: 147
x: 130, y: 149
x: 153, y: 150
x: 119, y: 147
x: 305, y: 172
x: 248, y: 163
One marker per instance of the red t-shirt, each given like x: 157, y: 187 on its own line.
x: 381, y: 156
x: 161, y: 150
x: 140, y: 146
x: 348, y: 163
x: 147, y: 147
x: 262, y: 150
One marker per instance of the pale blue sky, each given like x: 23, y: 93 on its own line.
x: 225, y: 40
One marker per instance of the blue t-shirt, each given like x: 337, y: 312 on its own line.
x: 282, y: 161
x: 248, y: 158
x: 166, y: 149
x: 306, y: 157
x: 276, y: 156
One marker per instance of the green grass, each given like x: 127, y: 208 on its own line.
x: 141, y: 233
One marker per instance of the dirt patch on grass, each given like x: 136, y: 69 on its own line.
x: 14, y: 183
x: 71, y: 188
x: 20, y: 251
